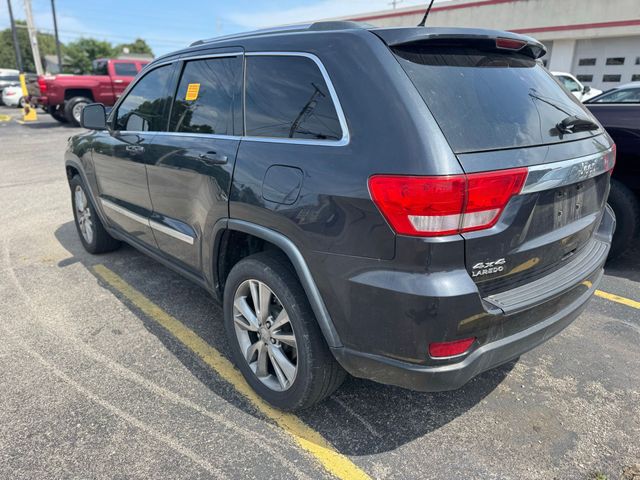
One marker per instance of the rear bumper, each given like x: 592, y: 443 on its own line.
x: 499, y: 344
x: 42, y: 101
x: 452, y: 376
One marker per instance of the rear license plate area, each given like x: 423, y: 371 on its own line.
x: 568, y: 205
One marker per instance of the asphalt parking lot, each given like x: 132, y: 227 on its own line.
x: 112, y: 366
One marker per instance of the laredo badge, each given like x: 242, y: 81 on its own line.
x: 487, y: 268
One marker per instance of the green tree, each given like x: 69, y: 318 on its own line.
x: 81, y: 53
x: 137, y: 46
x: 46, y: 42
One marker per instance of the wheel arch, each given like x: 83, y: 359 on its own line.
x: 70, y: 93
x: 223, y: 261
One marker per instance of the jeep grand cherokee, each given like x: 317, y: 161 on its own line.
x: 409, y: 205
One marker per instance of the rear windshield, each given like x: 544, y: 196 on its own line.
x: 487, y: 100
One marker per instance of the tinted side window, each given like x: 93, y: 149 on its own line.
x: 287, y: 97
x: 126, y: 69
x: 209, y: 97
x: 144, y: 108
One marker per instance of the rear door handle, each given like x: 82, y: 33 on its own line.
x: 213, y: 157
x: 118, y: 81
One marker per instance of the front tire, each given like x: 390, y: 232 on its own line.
x: 275, y: 339
x: 73, y: 109
x: 627, y: 209
x: 94, y: 237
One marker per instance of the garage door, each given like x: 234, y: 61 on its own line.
x: 607, y: 62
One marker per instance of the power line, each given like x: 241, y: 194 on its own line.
x: 104, y: 35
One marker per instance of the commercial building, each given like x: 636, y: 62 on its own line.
x: 597, y: 40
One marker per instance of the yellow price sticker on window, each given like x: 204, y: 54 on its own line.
x: 192, y: 92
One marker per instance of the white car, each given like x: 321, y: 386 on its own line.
x: 12, y: 97
x: 580, y: 91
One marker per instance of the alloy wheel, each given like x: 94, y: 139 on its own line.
x: 77, y: 111
x: 265, y: 335
x: 83, y: 214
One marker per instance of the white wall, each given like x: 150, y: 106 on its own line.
x: 562, y: 55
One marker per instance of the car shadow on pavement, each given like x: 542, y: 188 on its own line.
x: 361, y: 418
x: 627, y: 265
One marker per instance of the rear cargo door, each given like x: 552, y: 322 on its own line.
x: 499, y: 109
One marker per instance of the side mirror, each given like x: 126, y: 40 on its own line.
x: 94, y: 117
x: 586, y: 89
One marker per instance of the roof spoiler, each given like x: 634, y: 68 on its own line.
x: 489, y: 39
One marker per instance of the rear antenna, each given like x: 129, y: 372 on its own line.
x: 426, y: 14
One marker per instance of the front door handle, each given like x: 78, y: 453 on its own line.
x: 118, y: 81
x: 135, y: 149
x: 213, y: 157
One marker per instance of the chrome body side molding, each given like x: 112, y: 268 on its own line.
x: 146, y: 221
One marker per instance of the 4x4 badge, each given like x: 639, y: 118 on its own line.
x: 487, y: 268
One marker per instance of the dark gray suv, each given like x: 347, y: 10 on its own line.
x: 409, y: 205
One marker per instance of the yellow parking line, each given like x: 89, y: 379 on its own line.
x: 310, y: 440
x: 617, y: 298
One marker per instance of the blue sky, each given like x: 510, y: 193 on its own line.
x: 169, y: 24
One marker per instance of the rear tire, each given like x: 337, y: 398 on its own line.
x: 73, y: 109
x: 317, y: 374
x: 94, y: 237
x: 57, y: 114
x: 625, y: 205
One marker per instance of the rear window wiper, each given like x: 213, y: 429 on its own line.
x: 574, y: 124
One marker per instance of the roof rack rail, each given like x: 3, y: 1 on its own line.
x: 316, y: 26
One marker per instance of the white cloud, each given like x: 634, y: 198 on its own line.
x: 318, y: 11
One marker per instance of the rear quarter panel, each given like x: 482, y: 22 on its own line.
x: 391, y: 131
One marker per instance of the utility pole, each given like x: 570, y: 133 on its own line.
x: 14, y: 34
x: 55, y: 29
x: 33, y: 37
x: 394, y: 3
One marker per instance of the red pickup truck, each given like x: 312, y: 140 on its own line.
x: 64, y: 96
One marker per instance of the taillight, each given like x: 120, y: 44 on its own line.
x: 450, y: 349
x: 610, y: 158
x: 9, y: 93
x: 42, y: 84
x: 445, y: 205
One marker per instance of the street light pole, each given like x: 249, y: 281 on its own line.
x: 33, y: 37
x: 14, y: 34
x: 55, y: 29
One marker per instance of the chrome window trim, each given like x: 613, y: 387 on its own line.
x: 146, y: 221
x: 296, y: 141
x: 214, y: 136
x: 200, y: 57
x: 332, y: 92
x: 566, y: 172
